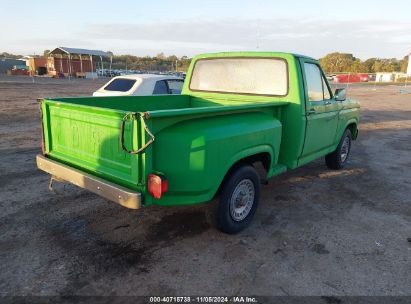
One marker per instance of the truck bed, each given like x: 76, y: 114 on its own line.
x: 84, y: 132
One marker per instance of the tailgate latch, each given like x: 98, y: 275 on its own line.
x: 123, y: 123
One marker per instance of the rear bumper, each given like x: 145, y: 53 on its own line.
x: 108, y: 190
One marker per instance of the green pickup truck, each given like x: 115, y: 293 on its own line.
x: 237, y: 109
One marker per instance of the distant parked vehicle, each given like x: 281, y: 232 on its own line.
x: 363, y: 77
x: 330, y: 77
x: 141, y: 85
x: 348, y: 78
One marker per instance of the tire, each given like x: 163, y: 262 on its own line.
x: 238, y: 200
x: 337, y: 159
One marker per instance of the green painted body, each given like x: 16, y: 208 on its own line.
x: 199, y: 136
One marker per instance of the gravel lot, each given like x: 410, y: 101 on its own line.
x: 316, y: 232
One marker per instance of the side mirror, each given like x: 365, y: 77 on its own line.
x: 340, y: 94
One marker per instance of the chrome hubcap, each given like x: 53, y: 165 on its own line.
x: 345, y: 149
x: 242, y: 200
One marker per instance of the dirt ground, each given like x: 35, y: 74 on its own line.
x: 316, y: 232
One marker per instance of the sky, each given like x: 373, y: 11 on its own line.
x: 180, y: 27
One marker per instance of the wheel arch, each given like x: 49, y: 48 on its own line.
x: 264, y: 155
x: 352, y: 125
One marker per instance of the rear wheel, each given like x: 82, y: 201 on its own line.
x: 337, y: 159
x: 239, y: 198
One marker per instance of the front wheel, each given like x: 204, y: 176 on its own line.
x: 239, y: 198
x: 337, y: 159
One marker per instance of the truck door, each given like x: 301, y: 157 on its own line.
x: 321, y: 111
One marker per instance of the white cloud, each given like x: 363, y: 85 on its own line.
x: 363, y: 38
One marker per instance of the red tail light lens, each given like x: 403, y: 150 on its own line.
x: 157, y: 185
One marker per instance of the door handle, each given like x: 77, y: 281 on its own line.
x: 327, y: 102
x: 311, y: 111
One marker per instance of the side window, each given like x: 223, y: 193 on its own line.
x: 175, y: 86
x: 160, y: 88
x: 327, y: 94
x: 314, y: 82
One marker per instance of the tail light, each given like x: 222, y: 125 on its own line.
x: 157, y: 185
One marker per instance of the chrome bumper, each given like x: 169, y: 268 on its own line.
x: 108, y: 190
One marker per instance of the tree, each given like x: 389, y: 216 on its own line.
x: 337, y: 62
x: 369, y: 65
x: 404, y: 64
x: 172, y: 58
x: 46, y: 53
x: 160, y: 56
x: 357, y: 67
x: 184, y: 63
x: 8, y: 55
x: 386, y: 65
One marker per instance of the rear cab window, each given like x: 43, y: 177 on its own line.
x: 175, y: 86
x: 120, y: 85
x: 241, y: 75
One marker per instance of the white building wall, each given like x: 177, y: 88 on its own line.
x: 388, y: 76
